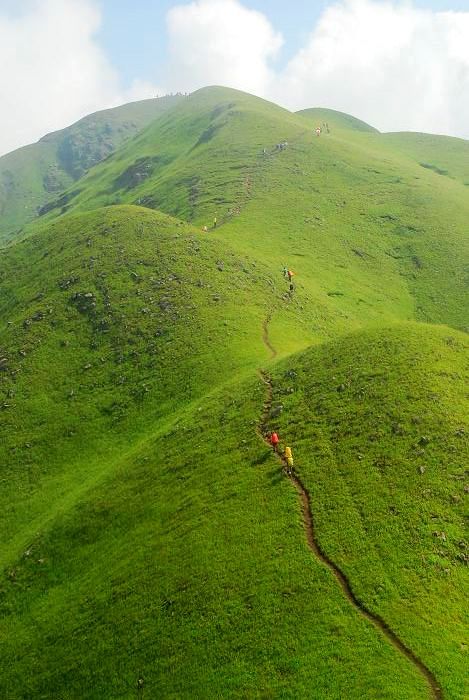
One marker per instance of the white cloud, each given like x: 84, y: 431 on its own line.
x: 220, y: 42
x: 395, y: 66
x: 385, y: 61
x: 53, y: 70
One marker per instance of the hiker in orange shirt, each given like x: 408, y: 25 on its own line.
x: 290, y: 274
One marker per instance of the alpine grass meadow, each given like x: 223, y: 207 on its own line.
x: 153, y: 545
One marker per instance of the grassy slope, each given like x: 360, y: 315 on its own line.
x: 32, y: 176
x: 189, y: 570
x: 335, y: 119
x: 379, y: 424
x: 163, y: 299
x: 135, y: 476
x: 364, y: 227
x: 122, y: 475
x: 444, y: 155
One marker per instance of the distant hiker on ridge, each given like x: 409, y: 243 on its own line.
x: 274, y: 441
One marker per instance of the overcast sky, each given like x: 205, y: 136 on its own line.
x: 397, y: 64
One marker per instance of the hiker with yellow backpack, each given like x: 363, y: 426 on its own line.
x: 289, y: 459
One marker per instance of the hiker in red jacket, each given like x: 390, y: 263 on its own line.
x: 274, y: 441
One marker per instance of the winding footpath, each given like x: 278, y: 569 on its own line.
x: 435, y: 691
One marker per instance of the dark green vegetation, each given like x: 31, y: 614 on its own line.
x: 148, y: 534
x: 32, y: 176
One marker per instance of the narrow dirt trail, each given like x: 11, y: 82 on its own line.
x: 435, y: 691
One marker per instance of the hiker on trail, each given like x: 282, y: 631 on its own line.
x: 274, y: 441
x: 264, y: 151
x: 289, y: 458
x: 318, y: 131
x: 214, y: 222
x: 290, y: 274
x: 205, y: 229
x: 291, y: 287
x: 285, y: 271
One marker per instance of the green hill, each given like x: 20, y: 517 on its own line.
x: 369, y: 223
x: 32, y: 176
x: 153, y: 546
x: 335, y: 119
x: 443, y: 155
x: 379, y: 422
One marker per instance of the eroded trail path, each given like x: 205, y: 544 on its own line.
x: 435, y: 691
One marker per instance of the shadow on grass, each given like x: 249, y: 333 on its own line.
x: 263, y: 459
x: 275, y: 475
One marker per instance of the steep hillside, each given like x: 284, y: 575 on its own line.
x: 368, y: 233
x: 32, y: 176
x: 444, y: 155
x: 183, y: 573
x: 379, y: 422
x: 142, y: 515
x: 107, y: 317
x: 153, y: 544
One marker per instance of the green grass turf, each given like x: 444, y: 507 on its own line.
x: 164, y: 298
x: 34, y: 175
x: 444, y: 155
x: 364, y: 226
x: 187, y: 566
x: 147, y: 532
x: 378, y: 423
x: 334, y: 120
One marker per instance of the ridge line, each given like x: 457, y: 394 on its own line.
x: 305, y: 499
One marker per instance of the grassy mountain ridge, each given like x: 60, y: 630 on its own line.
x: 32, y: 176
x: 444, y: 155
x: 384, y: 412
x: 335, y: 119
x: 109, y: 301
x: 343, y: 201
x: 217, y: 609
x: 148, y: 532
